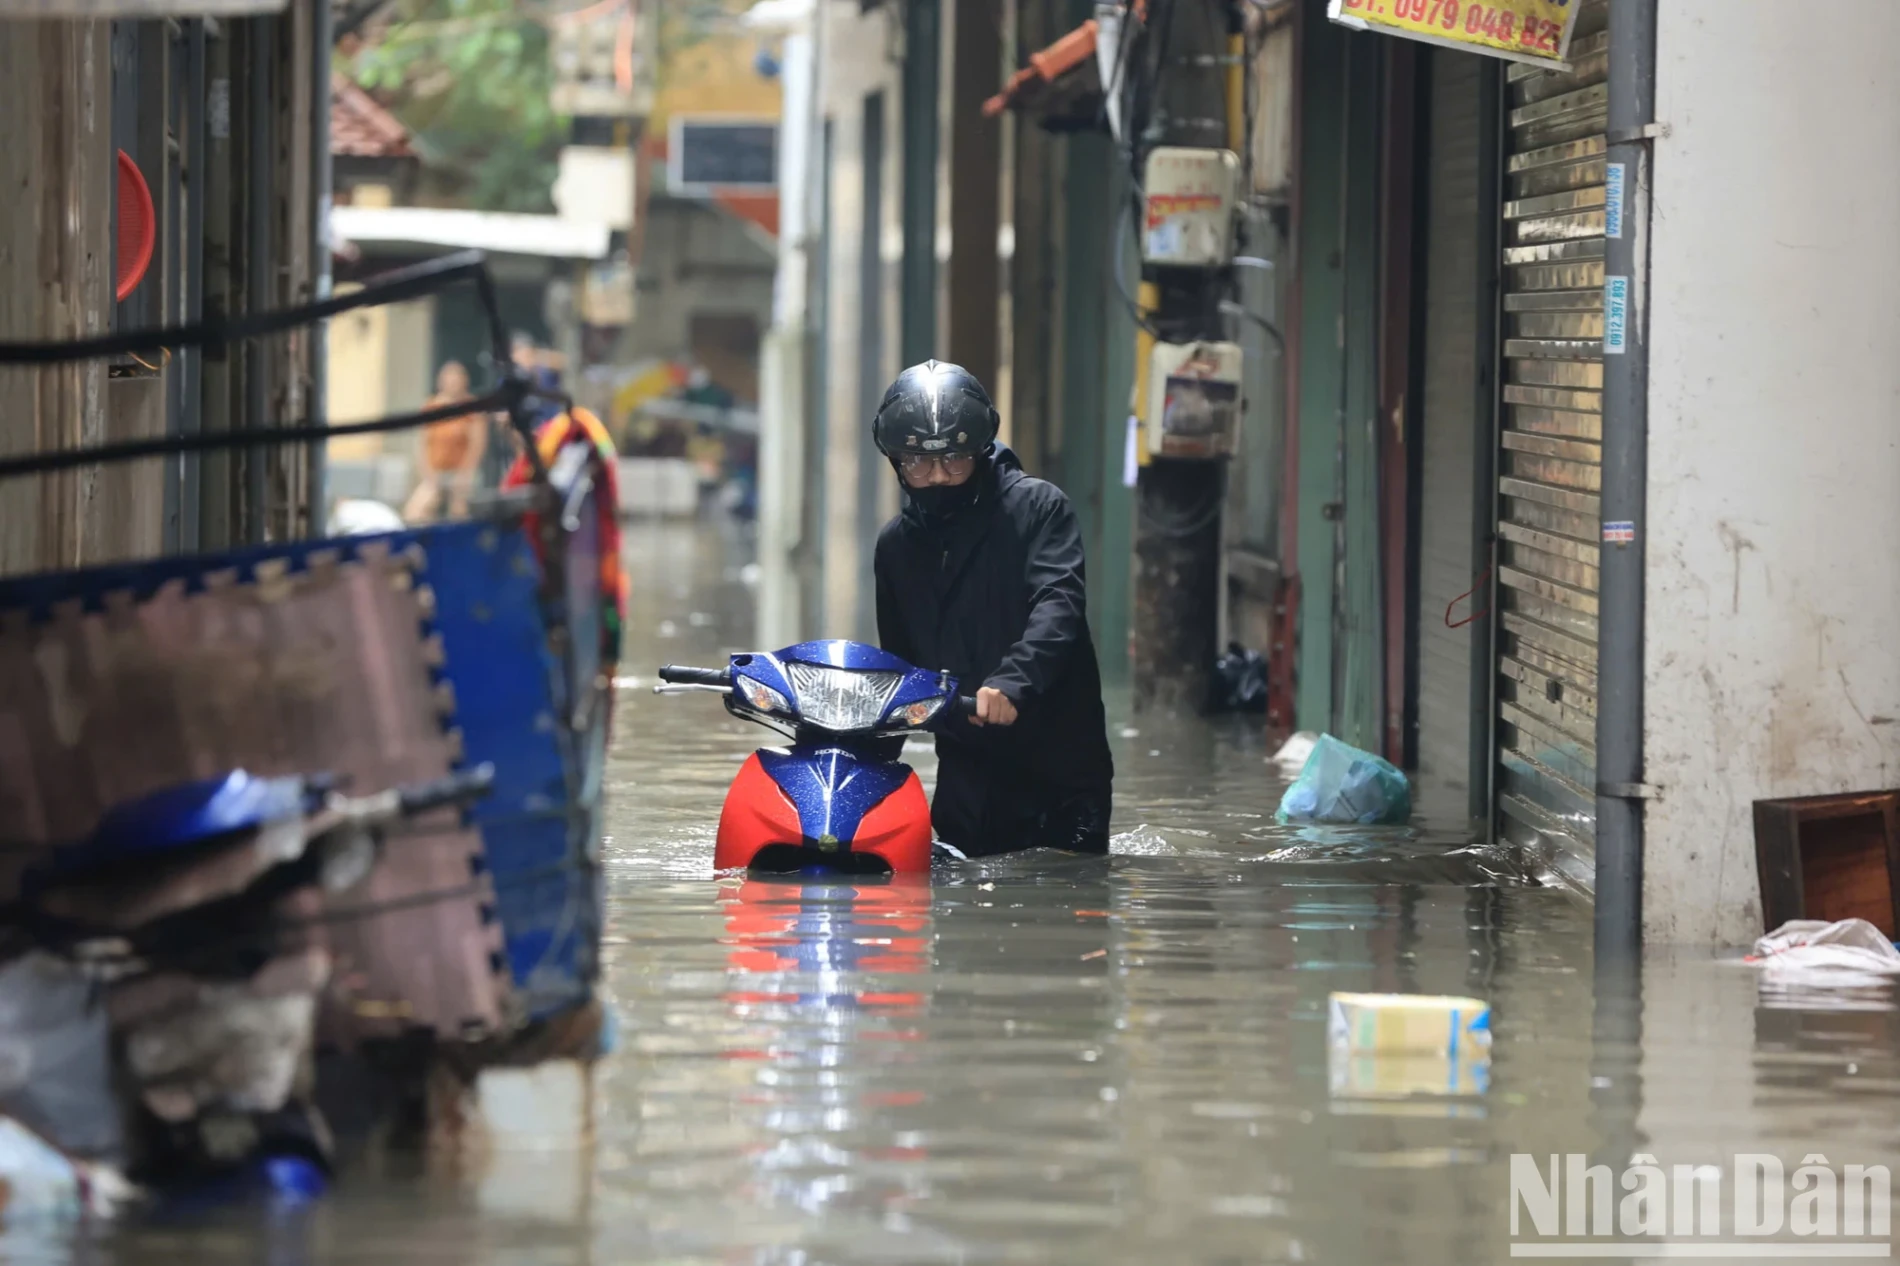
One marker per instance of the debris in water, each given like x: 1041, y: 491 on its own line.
x: 669, y: 629
x: 1411, y: 1024
x: 1342, y: 784
x: 1100, y: 953
x: 1091, y: 914
x: 1401, y: 1047
x: 1851, y: 952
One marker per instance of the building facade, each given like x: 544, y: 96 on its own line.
x: 1589, y: 600
x: 216, y: 122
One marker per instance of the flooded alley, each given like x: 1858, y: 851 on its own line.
x: 403, y: 391
x: 1064, y: 1060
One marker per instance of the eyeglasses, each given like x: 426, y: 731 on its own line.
x: 954, y: 465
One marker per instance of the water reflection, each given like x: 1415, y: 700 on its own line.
x: 830, y: 936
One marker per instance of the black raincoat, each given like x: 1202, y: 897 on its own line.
x: 996, y: 597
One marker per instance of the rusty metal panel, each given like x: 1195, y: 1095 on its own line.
x: 1550, y: 454
x: 326, y: 669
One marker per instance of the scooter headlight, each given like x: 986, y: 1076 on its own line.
x: 916, y: 714
x: 759, y: 697
x: 841, y: 700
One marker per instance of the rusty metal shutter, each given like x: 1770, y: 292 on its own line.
x: 1456, y: 396
x: 1549, y: 458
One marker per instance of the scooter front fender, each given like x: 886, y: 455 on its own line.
x: 828, y: 808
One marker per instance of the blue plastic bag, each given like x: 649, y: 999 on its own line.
x: 1342, y: 785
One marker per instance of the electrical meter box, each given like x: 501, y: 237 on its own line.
x: 1194, y: 400
x: 1188, y: 216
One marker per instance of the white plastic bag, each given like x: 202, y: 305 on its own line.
x: 1851, y: 953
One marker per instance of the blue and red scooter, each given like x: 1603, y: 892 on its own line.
x: 839, y: 799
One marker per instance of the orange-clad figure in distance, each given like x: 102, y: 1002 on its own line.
x: 452, y: 452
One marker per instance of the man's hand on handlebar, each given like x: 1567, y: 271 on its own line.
x: 993, y: 708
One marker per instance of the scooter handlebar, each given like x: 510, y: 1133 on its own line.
x: 676, y: 675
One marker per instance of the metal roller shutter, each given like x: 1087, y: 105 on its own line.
x: 1549, y: 458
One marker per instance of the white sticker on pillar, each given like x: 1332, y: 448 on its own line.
x: 1616, y: 309
x: 1131, y: 453
x: 1613, y: 200
x: 1165, y: 241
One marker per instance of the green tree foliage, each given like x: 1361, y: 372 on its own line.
x: 471, y: 80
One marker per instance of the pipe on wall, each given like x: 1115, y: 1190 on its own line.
x: 1620, y: 790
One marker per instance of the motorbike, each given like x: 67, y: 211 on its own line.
x: 839, y: 800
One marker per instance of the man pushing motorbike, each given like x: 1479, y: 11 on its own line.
x: 981, y: 574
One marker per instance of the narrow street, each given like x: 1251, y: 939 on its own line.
x: 1487, y: 397
x: 1060, y: 1060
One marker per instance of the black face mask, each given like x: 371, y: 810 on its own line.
x: 939, y: 505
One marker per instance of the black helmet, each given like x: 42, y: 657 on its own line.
x: 935, y: 408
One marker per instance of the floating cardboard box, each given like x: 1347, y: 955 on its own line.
x: 1457, y: 1029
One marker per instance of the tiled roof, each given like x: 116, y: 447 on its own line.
x: 359, y: 128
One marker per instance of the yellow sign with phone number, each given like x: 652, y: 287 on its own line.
x: 1535, y: 31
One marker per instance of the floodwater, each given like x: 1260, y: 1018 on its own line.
x: 1059, y: 1060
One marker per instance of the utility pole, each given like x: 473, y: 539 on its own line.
x: 1183, y: 124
